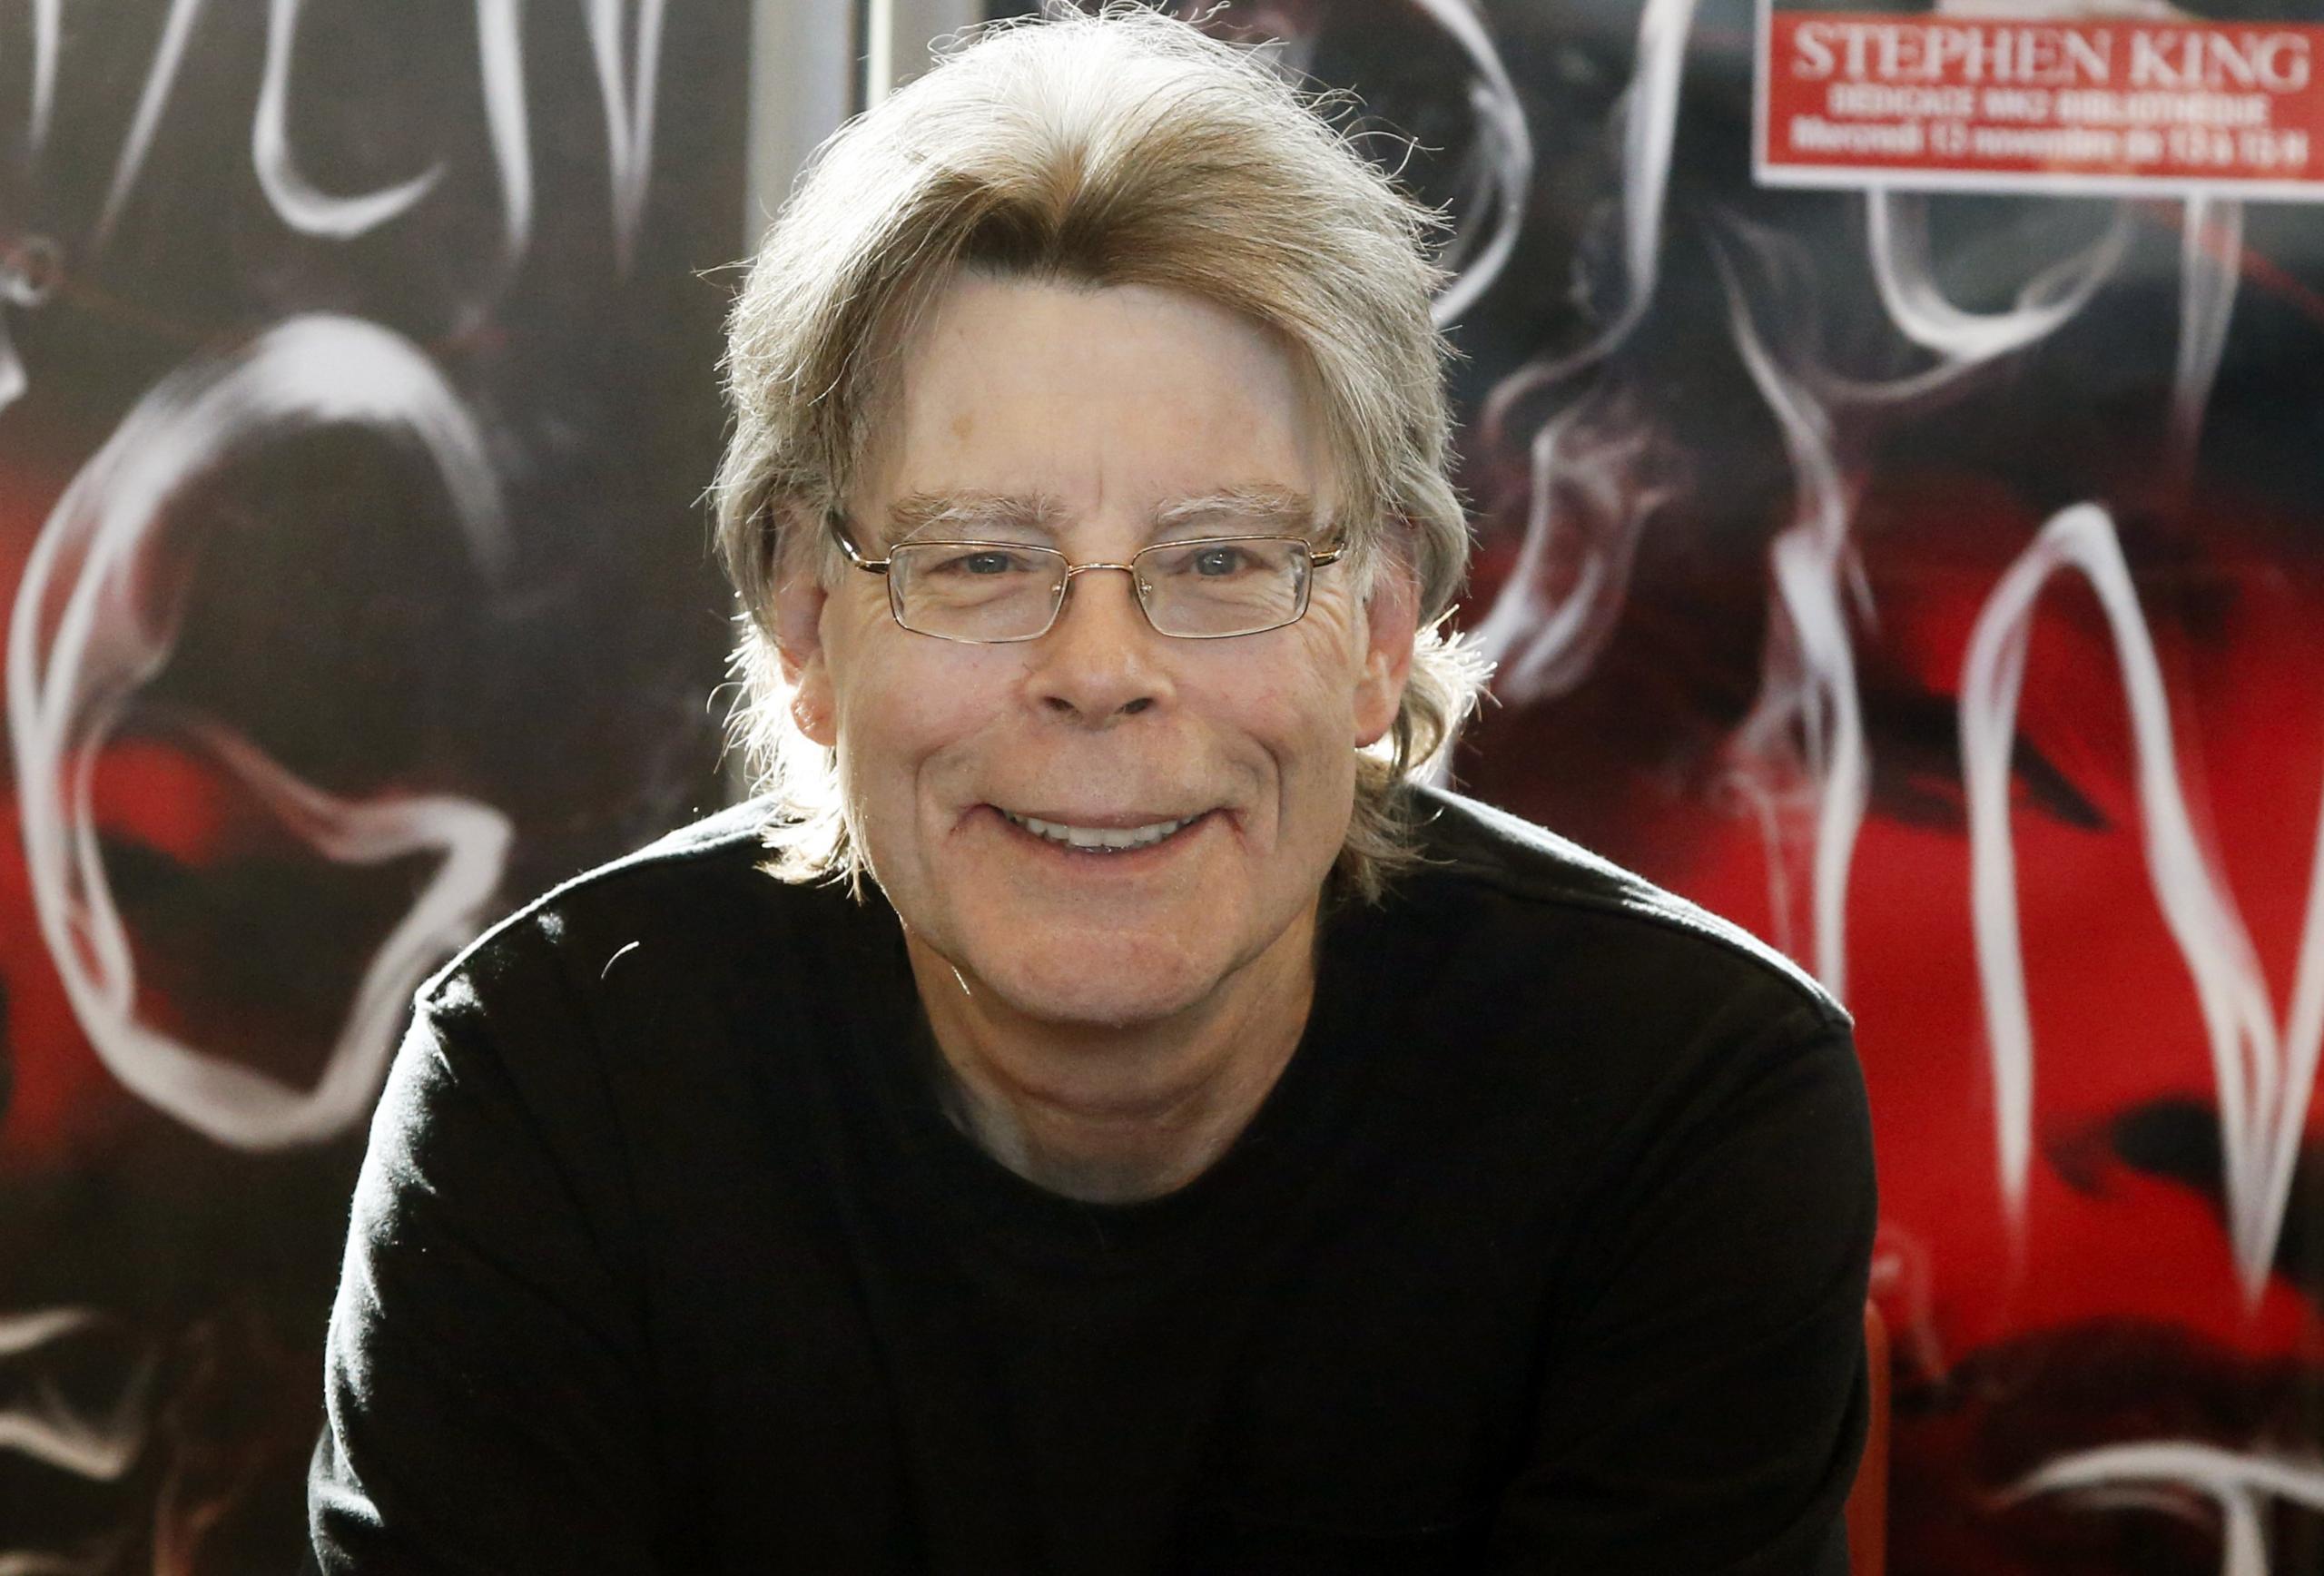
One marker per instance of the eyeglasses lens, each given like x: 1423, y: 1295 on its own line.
x: 976, y: 591
x: 1210, y: 590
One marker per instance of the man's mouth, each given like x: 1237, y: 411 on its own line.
x: 1099, y: 839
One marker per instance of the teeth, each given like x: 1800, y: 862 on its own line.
x: 1107, y: 838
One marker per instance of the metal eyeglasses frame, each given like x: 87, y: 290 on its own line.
x: 1317, y: 559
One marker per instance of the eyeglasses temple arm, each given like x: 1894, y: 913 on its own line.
x: 839, y: 531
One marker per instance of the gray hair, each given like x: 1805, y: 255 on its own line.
x: 1124, y: 148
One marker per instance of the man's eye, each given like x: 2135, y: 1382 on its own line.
x: 1220, y: 561
x: 984, y: 562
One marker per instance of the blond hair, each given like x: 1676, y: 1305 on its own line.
x: 1124, y: 148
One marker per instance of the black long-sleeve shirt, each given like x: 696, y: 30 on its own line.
x: 1547, y: 1252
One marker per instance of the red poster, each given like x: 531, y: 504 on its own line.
x: 2002, y: 104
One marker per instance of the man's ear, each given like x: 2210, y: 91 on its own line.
x: 799, y: 599
x: 1391, y: 626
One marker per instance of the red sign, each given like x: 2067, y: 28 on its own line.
x: 1854, y: 98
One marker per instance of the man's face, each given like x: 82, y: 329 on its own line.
x: 1084, y: 419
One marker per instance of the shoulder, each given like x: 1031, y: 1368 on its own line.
x: 1580, y: 1022
x: 1550, y: 899
x: 687, y: 894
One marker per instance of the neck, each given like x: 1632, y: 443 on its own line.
x: 1114, y: 1113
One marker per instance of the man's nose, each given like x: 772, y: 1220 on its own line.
x: 1101, y: 659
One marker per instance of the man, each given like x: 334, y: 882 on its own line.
x: 1094, y: 1114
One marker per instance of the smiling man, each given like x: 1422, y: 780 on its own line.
x: 1108, y: 805
x: 1095, y: 1112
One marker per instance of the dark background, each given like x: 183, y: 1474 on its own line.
x: 162, y: 1293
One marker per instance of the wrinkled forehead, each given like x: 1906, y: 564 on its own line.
x: 976, y: 334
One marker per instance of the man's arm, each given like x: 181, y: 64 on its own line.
x: 486, y: 1409
x: 1704, y: 1413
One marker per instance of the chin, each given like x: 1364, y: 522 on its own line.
x: 1112, y: 981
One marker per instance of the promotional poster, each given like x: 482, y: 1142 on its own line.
x: 357, y: 390
x: 1896, y: 446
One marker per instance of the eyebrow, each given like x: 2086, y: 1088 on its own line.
x: 1254, y: 511
x: 969, y: 513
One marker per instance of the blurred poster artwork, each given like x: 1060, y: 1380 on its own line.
x: 2030, y: 95
x: 356, y: 387
x: 1933, y: 583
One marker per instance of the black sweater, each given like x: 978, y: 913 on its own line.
x: 1547, y: 1252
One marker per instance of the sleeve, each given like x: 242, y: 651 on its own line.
x: 1705, y: 1404
x: 485, y: 1407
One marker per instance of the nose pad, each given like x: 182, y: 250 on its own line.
x: 1125, y: 601
x: 1096, y: 662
